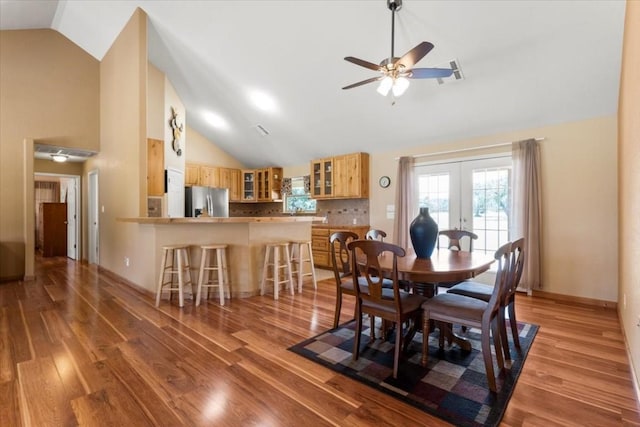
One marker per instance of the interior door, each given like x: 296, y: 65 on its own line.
x: 71, y: 219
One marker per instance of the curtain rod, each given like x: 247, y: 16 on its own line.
x: 502, y: 144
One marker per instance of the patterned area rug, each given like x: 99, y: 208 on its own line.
x: 453, y: 386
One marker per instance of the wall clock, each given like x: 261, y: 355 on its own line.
x: 384, y: 182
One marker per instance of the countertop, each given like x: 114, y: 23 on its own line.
x: 336, y: 226
x: 219, y: 220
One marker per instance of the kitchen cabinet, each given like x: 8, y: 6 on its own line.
x: 269, y: 183
x: 209, y: 176
x: 351, y: 176
x: 322, y: 178
x: 155, y: 167
x: 320, y: 241
x: 230, y: 178
x: 341, y: 177
x: 191, y: 174
x: 248, y: 179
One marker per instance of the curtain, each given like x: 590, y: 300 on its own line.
x: 45, y: 192
x: 527, y: 219
x: 405, y: 201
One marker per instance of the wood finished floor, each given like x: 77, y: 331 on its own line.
x: 79, y: 348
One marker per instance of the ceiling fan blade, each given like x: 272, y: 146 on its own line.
x: 363, y: 63
x: 414, y: 55
x: 363, y: 82
x: 430, y: 73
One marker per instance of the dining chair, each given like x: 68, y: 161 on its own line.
x: 374, y: 234
x: 457, y: 237
x: 391, y: 305
x: 449, y: 308
x: 343, y: 273
x: 507, y: 304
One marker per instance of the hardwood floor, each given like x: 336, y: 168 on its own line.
x: 79, y: 348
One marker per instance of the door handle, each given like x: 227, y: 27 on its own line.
x: 66, y: 222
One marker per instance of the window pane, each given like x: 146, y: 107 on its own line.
x: 491, y: 207
x: 433, y: 193
x: 298, y: 200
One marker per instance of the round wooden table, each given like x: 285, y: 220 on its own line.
x: 444, y: 266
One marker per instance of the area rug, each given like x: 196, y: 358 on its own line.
x: 453, y: 386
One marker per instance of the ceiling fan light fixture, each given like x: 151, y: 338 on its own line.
x: 400, y: 85
x: 59, y: 158
x: 385, y: 86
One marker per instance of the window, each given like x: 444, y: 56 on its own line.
x: 299, y: 201
x: 472, y: 195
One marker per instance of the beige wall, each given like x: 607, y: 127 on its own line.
x: 579, y: 199
x: 48, y: 166
x: 201, y: 150
x: 50, y: 94
x: 121, y: 163
x: 155, y: 103
x: 629, y: 183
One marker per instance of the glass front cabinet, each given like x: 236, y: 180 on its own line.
x: 322, y: 178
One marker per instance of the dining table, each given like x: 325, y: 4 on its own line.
x: 443, y: 266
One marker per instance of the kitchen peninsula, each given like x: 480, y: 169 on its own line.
x: 246, y: 237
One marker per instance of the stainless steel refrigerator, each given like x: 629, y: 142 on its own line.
x: 215, y: 201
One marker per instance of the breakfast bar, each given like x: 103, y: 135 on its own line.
x: 246, y: 237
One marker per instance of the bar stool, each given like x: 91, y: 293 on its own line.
x: 210, y: 264
x: 175, y: 262
x: 298, y: 260
x: 277, y: 261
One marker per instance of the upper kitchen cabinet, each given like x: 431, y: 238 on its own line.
x: 230, y: 178
x: 248, y: 179
x: 322, y: 178
x: 351, y: 176
x: 210, y: 176
x: 191, y: 174
x: 341, y: 177
x: 269, y: 181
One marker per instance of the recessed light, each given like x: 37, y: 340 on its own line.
x: 263, y: 101
x: 216, y: 121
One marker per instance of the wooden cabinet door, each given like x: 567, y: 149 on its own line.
x: 351, y: 176
x: 192, y: 175
x: 249, y: 186
x: 155, y: 167
x: 322, y: 178
x: 235, y: 192
x: 340, y: 176
x: 209, y: 176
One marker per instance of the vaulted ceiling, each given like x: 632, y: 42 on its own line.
x: 525, y: 64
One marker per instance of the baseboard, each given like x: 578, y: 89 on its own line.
x: 576, y: 300
x: 7, y: 279
x: 119, y: 278
x: 634, y: 377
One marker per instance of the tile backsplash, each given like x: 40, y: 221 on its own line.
x: 337, y: 212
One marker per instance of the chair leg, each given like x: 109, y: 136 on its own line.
x: 180, y: 280
x: 486, y: 355
x: 356, y: 341
x: 497, y: 341
x: 162, y: 268
x: 201, y: 275
x: 396, y: 351
x: 336, y: 316
x: 514, y: 324
x: 504, y: 339
x: 220, y: 275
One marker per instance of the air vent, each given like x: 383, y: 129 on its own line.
x: 261, y: 130
x: 457, y: 72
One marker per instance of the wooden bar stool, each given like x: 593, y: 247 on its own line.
x: 275, y: 261
x: 298, y: 261
x: 210, y: 264
x: 175, y: 262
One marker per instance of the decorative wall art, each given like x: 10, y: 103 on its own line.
x: 176, y: 128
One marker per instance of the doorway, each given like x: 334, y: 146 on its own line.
x: 69, y: 194
x: 93, y: 218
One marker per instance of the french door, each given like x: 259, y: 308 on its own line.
x: 472, y: 195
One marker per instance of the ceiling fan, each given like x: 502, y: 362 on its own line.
x: 395, y: 72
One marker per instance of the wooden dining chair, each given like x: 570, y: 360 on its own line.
x: 391, y: 305
x: 449, y: 308
x: 342, y: 272
x: 374, y: 234
x: 507, y: 304
x: 457, y: 237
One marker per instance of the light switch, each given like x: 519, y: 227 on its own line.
x: 102, y: 209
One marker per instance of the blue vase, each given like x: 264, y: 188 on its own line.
x: 424, y: 234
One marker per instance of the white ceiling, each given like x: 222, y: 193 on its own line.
x: 526, y: 64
